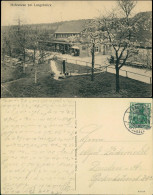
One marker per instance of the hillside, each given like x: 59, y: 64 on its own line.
x: 144, y: 26
x: 48, y: 27
x: 143, y: 20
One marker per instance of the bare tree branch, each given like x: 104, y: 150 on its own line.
x: 123, y: 63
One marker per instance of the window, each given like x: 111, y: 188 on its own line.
x: 96, y: 49
x: 83, y: 47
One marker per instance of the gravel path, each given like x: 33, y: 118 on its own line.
x: 142, y: 75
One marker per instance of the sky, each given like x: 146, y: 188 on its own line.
x: 35, y: 12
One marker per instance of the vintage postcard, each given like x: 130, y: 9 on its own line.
x: 76, y: 107
x: 77, y: 49
x: 77, y: 146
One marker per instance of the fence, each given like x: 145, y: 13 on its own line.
x: 99, y: 68
x: 132, y: 75
x: 75, y: 67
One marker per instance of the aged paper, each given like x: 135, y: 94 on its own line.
x: 52, y: 143
x: 75, y: 146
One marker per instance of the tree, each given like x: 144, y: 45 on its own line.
x: 39, y: 53
x: 20, y: 41
x: 92, y: 36
x: 39, y: 57
x: 120, y: 33
x: 7, y: 42
x: 17, y: 39
x: 14, y: 42
x: 149, y: 59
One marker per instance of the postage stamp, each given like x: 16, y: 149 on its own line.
x: 137, y: 118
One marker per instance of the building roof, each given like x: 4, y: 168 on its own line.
x: 75, y: 26
x: 57, y: 41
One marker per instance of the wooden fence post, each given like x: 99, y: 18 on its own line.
x: 126, y: 74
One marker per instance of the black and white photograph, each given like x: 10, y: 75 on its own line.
x: 76, y: 49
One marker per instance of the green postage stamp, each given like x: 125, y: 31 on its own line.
x: 140, y: 115
x: 137, y: 118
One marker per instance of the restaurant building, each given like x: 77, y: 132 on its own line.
x: 67, y: 40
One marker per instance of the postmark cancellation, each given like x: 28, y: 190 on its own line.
x: 137, y: 118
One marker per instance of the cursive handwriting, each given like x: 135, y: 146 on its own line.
x: 38, y: 139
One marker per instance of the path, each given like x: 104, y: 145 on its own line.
x: 102, y: 60
x: 134, y: 73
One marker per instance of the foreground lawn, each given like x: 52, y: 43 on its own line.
x: 9, y: 73
x: 75, y: 86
